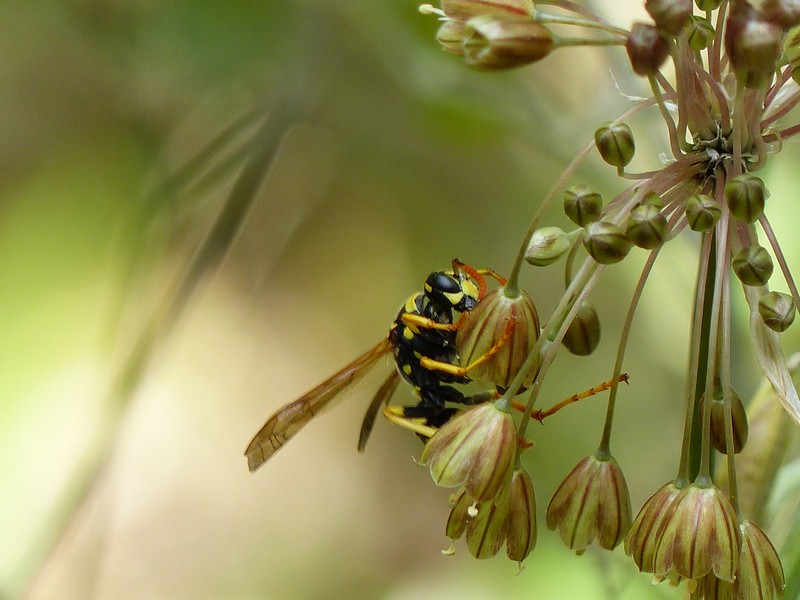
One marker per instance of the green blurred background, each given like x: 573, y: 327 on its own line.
x: 132, y: 380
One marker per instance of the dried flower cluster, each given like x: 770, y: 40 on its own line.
x: 727, y: 107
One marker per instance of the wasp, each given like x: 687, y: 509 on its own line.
x: 422, y: 339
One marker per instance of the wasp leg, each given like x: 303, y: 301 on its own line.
x: 416, y: 322
x: 541, y: 415
x: 459, y: 371
x: 396, y: 414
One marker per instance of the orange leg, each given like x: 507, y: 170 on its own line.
x: 540, y: 415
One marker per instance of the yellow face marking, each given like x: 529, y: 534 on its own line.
x: 455, y: 297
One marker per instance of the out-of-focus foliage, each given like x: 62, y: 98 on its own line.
x: 133, y: 370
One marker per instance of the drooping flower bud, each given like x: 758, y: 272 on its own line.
x: 669, y: 15
x: 760, y: 571
x: 702, y: 212
x: 499, y: 318
x: 493, y: 43
x: 547, y: 245
x: 647, y: 49
x: 739, y: 415
x: 582, y: 205
x: 699, y: 535
x: 592, y: 503
x: 615, y: 142
x: 606, y: 242
x: 746, y: 196
x: 475, y: 449
x: 777, y: 310
x: 646, y: 227
x: 700, y: 33
x: 583, y: 334
x: 645, y: 532
x: 753, y: 45
x: 753, y: 265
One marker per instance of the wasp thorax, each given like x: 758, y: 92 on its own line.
x: 498, y: 335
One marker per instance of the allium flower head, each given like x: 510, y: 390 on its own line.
x: 592, y: 503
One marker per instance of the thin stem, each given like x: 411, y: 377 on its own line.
x: 780, y: 257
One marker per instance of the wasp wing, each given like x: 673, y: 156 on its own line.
x: 290, y: 419
x: 382, y: 397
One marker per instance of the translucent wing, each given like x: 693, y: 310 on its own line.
x: 382, y: 396
x: 290, y: 419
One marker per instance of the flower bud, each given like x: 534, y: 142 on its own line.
x: 708, y: 4
x: 493, y: 43
x: 451, y: 36
x: 699, y: 535
x: 547, y: 245
x: 652, y: 198
x: 753, y: 265
x: 582, y: 205
x: 592, y: 503
x: 669, y: 15
x: 702, y: 212
x: 700, y: 33
x: 583, y: 334
x: 739, y: 415
x: 777, y: 310
x: 645, y: 532
x: 646, y: 227
x: 606, y: 242
x: 753, y: 45
x: 487, y: 325
x: 489, y: 525
x: 477, y: 449
x: 647, y: 49
x: 615, y: 143
x: 785, y: 13
x: 746, y: 196
x: 760, y: 571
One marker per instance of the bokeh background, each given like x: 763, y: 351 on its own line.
x: 205, y: 209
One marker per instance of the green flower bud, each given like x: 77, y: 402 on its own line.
x: 647, y: 49
x: 547, y: 245
x: 615, y: 143
x: 583, y: 334
x: 752, y: 44
x: 708, y: 4
x: 700, y: 33
x: 582, y: 205
x: 753, y: 265
x: 739, y: 417
x: 646, y: 227
x: 777, y: 310
x: 746, y: 195
x: 702, y: 212
x: 669, y: 15
x: 785, y: 13
x: 606, y: 242
x: 494, y: 43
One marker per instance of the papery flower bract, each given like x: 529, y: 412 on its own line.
x: 494, y: 43
x: 475, y: 449
x: 699, y: 535
x: 592, y: 503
